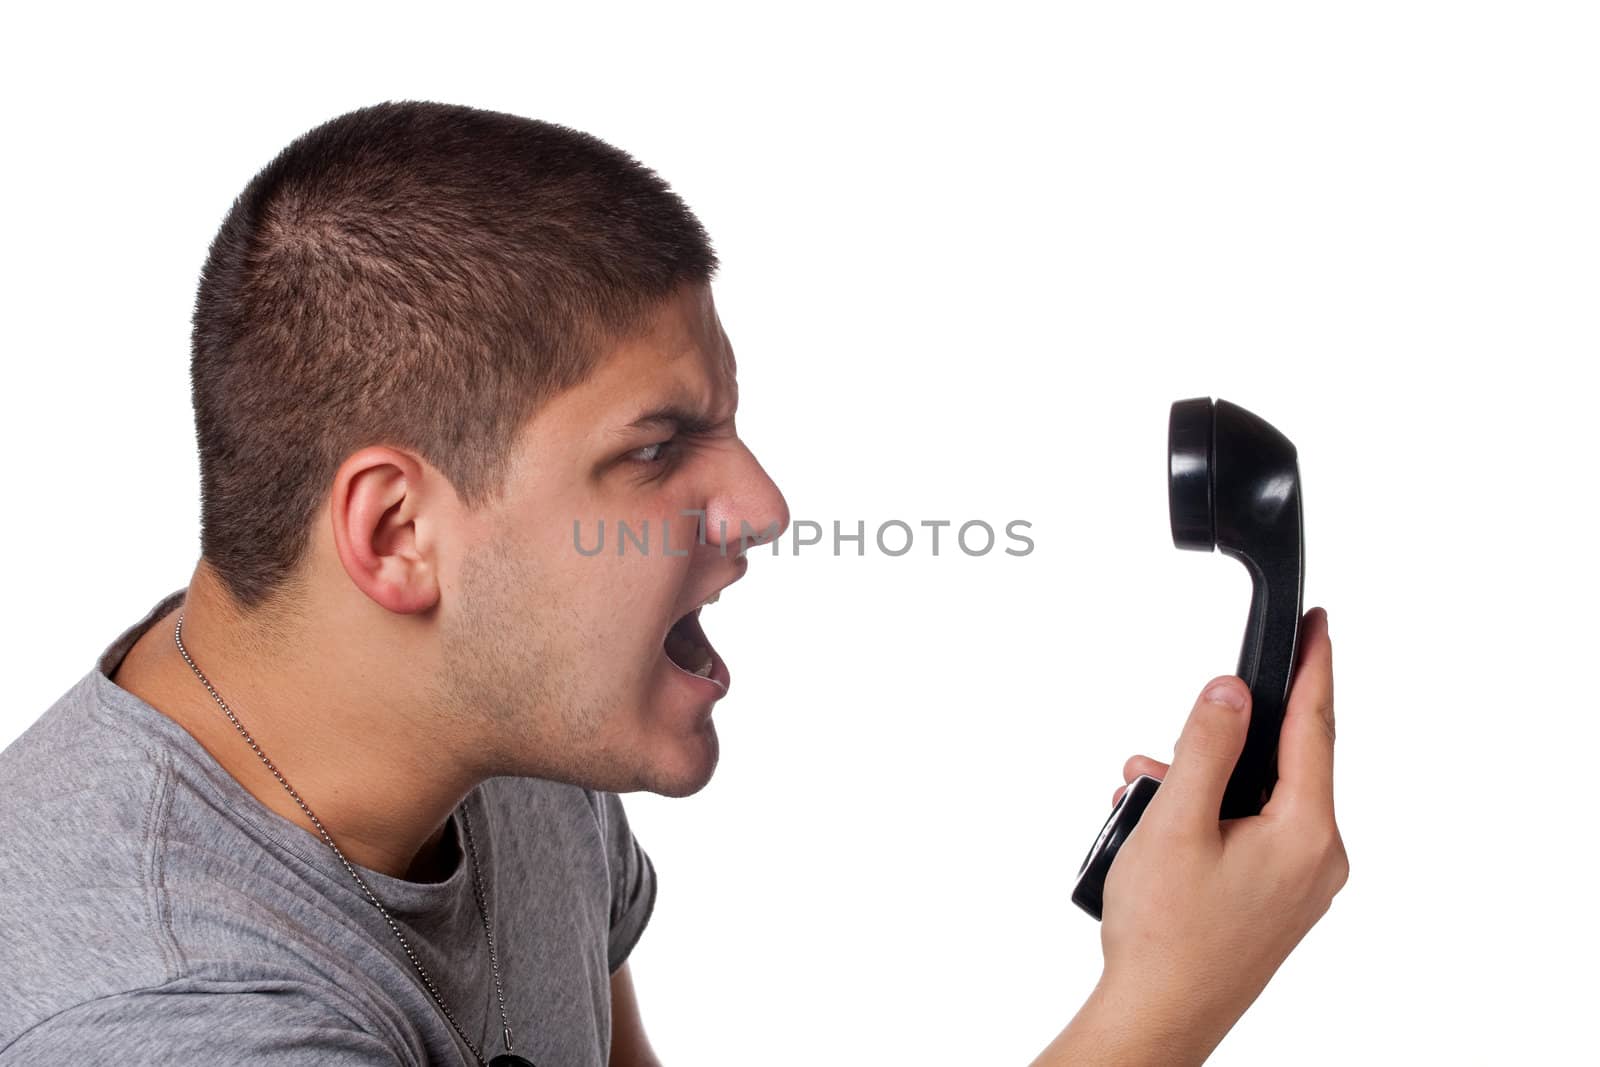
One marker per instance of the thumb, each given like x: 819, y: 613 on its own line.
x: 1206, y: 753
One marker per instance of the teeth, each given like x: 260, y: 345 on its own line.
x: 704, y: 670
x: 713, y: 598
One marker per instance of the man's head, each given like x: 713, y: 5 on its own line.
x: 426, y: 345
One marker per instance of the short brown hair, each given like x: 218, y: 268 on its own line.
x: 415, y: 274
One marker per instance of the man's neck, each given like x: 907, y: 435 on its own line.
x: 354, y: 752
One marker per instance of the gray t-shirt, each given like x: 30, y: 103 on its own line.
x: 153, y: 911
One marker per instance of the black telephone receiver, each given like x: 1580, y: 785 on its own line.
x: 1233, y: 483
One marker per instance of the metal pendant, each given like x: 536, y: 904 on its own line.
x: 510, y: 1059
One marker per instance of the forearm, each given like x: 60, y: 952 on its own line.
x: 1113, y: 1028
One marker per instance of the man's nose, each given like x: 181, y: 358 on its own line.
x: 749, y: 511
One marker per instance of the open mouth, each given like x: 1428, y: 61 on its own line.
x: 689, y: 650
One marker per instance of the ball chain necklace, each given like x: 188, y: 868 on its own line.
x: 506, y: 1059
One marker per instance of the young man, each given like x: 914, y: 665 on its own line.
x: 351, y: 796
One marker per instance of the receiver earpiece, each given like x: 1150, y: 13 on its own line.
x: 1233, y: 483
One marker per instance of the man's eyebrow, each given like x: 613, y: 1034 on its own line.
x: 683, y: 419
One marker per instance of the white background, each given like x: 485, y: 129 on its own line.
x: 970, y: 258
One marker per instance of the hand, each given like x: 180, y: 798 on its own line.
x: 1200, y: 912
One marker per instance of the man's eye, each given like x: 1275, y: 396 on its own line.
x: 650, y: 454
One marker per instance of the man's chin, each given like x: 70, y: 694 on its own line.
x: 683, y: 766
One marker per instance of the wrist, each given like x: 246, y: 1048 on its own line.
x: 1118, y: 1025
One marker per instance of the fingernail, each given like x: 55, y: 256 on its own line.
x: 1226, y: 693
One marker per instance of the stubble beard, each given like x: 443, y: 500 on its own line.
x: 512, y: 680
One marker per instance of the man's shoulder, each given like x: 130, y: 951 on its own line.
x: 523, y: 794
x: 80, y: 803
x: 131, y: 890
x: 576, y: 816
x: 538, y: 819
x: 80, y: 820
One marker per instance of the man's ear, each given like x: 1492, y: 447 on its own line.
x: 383, y: 530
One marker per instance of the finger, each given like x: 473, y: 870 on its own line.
x: 1138, y: 765
x: 1305, y: 746
x: 1205, y: 754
